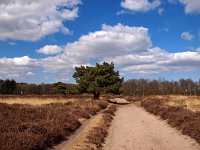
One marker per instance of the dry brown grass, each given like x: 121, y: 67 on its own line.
x: 193, y: 104
x: 35, y: 101
x: 41, y: 100
x: 188, y: 102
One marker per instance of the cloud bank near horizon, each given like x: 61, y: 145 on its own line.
x: 129, y: 47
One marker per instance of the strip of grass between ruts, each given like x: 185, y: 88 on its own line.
x: 186, y: 121
x: 27, y: 127
x: 98, y: 134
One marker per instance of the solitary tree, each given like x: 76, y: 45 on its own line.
x: 101, y: 78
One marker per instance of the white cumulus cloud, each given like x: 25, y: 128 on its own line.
x: 140, y: 5
x: 50, y: 49
x: 191, y: 6
x: 110, y: 42
x: 32, y: 20
x: 129, y: 47
x: 16, y: 67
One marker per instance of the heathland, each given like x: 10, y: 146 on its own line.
x: 41, y: 122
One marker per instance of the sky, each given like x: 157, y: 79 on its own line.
x: 43, y: 41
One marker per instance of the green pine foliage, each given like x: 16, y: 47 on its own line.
x: 97, y: 79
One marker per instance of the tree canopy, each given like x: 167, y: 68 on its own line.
x: 7, y: 86
x: 59, y: 88
x: 97, y: 79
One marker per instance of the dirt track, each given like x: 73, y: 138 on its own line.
x: 135, y: 129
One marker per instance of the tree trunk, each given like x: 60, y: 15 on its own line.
x: 96, y: 95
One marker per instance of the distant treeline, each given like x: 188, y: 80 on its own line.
x: 11, y: 87
x: 133, y: 87
x: 142, y: 87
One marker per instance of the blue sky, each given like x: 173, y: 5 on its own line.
x: 44, y: 41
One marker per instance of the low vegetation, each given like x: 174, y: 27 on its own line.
x: 98, y: 134
x: 185, y: 120
x: 28, y: 127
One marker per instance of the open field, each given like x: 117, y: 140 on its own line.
x: 188, y: 102
x: 40, y: 100
x: 28, y: 126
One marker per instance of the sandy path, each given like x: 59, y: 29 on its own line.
x: 135, y: 129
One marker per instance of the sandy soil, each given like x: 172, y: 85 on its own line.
x: 135, y: 129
